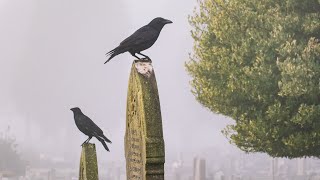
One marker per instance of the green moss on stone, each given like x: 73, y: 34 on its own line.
x: 88, y: 163
x: 143, y: 106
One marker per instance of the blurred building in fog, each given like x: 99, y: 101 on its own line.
x: 199, y: 169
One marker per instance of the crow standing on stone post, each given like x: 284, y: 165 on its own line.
x: 140, y: 40
x: 88, y: 127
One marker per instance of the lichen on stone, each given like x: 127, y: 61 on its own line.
x: 88, y: 163
x: 144, y: 115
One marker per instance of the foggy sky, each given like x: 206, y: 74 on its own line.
x: 52, y: 55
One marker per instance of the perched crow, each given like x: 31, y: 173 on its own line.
x: 88, y: 127
x: 140, y: 40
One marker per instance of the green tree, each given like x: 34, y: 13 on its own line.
x: 10, y: 160
x: 258, y: 62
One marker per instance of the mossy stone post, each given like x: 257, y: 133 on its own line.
x: 144, y: 144
x: 88, y: 163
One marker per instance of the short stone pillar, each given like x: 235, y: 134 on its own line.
x: 88, y: 163
x: 144, y: 144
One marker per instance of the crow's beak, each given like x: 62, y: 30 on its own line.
x: 166, y: 21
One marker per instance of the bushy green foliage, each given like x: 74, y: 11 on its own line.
x: 258, y: 62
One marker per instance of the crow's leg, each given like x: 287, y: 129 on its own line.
x: 86, y: 141
x: 144, y: 56
x: 89, y: 139
x: 134, y: 54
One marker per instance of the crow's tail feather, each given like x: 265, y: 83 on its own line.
x: 105, y: 138
x: 114, y: 52
x: 103, y: 143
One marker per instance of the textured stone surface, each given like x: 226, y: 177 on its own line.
x: 144, y: 67
x: 144, y: 144
x: 88, y: 163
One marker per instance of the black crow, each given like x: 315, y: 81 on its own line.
x: 140, y: 40
x: 88, y: 127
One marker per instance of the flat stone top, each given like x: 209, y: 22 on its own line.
x: 144, y: 67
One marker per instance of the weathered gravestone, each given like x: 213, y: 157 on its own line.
x: 88, y: 163
x: 144, y: 144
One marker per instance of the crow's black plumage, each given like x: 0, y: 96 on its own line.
x: 88, y: 127
x: 140, y: 40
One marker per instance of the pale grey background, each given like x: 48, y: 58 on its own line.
x: 52, y: 55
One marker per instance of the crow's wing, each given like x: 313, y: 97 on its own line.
x: 92, y: 126
x: 82, y: 124
x: 143, y: 35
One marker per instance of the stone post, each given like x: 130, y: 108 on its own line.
x: 144, y: 144
x: 88, y: 163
